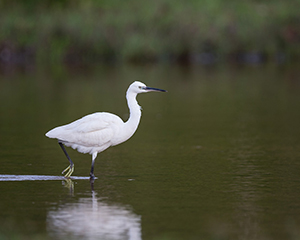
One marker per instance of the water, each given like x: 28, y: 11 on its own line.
x: 217, y: 157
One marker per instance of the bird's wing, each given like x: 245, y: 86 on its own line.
x: 91, y: 130
x: 93, y: 122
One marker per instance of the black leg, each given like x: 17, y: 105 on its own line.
x: 92, y: 167
x: 67, y: 155
x: 92, y: 170
x: 70, y: 168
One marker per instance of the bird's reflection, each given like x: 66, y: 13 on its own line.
x: 68, y: 183
x: 91, y: 218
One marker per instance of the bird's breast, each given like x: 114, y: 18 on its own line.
x: 123, y: 134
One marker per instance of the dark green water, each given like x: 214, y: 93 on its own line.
x: 217, y: 157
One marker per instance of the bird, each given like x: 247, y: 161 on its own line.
x: 98, y: 131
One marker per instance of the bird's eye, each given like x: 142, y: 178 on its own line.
x: 140, y: 87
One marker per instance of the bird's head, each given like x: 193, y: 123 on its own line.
x: 139, y: 87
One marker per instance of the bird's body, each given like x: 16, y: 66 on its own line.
x: 98, y: 131
x: 92, y: 133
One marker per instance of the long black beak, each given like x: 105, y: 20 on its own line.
x: 150, y: 89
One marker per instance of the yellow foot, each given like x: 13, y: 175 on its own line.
x: 69, y: 170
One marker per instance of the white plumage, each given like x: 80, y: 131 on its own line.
x: 96, y: 132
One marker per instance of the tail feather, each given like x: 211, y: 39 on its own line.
x: 55, y: 133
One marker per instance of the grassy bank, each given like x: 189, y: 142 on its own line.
x: 200, y: 31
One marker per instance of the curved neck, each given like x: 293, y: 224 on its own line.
x: 134, y: 111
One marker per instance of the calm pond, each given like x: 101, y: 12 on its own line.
x: 216, y: 157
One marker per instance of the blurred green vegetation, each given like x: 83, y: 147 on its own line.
x: 157, y: 30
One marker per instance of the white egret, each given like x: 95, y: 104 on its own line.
x: 96, y: 132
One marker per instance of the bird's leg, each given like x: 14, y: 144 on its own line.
x: 92, y: 167
x: 70, y: 168
x: 92, y: 171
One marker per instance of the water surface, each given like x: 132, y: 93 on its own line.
x: 217, y: 157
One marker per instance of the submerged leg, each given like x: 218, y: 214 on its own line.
x: 70, y: 168
x: 92, y: 167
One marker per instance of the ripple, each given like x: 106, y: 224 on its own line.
x: 7, y: 177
